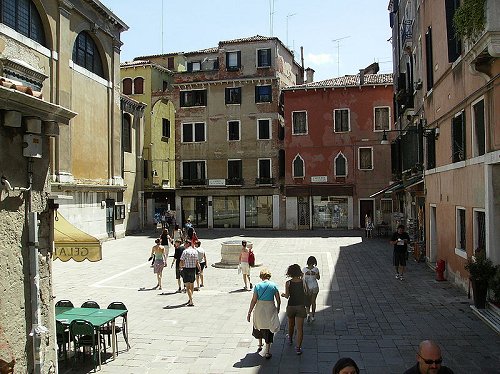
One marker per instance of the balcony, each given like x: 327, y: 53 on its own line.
x: 264, y: 181
x: 406, y: 33
x: 482, y: 48
x: 235, y: 181
x: 193, y: 182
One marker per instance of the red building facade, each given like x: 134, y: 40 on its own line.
x: 334, y: 159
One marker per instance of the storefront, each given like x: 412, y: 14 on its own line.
x: 196, y: 209
x: 226, y: 211
x: 259, y: 211
x: 330, y: 212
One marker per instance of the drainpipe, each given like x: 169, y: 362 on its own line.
x: 37, y: 329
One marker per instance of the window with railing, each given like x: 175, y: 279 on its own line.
x: 458, y: 137
x: 193, y: 173
x: 479, y: 128
x: 460, y: 229
x: 234, y: 172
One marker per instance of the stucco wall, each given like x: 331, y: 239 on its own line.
x: 15, y: 305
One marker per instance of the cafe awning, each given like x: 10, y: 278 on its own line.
x: 72, y: 243
x: 386, y: 189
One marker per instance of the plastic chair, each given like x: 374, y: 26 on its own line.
x: 124, y: 328
x: 63, y: 338
x: 83, y: 335
x: 65, y: 303
x: 90, y: 304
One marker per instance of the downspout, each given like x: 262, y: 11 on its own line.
x: 31, y: 220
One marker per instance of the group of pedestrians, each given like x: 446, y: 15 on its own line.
x: 301, y: 291
x: 189, y: 258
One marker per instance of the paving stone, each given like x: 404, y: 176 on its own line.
x: 362, y: 312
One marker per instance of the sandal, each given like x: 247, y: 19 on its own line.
x: 268, y: 356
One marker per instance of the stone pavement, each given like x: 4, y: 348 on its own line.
x: 363, y: 311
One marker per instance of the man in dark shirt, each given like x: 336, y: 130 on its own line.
x: 400, y: 241
x: 429, y: 360
x: 177, y: 259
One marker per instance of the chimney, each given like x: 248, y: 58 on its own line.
x: 309, y: 75
x: 361, y: 77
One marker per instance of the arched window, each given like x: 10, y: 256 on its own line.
x: 126, y: 133
x: 340, y: 166
x: 127, y: 86
x: 86, y: 55
x: 22, y: 16
x: 139, y: 85
x: 298, y: 167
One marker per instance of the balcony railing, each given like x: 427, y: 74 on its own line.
x: 264, y: 181
x: 235, y: 181
x: 193, y: 182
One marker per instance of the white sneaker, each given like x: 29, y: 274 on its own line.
x: 401, y: 277
x: 397, y: 276
x: 308, y: 318
x: 312, y: 318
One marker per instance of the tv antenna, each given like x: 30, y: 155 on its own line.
x: 271, y: 16
x: 287, y: 17
x: 338, y: 52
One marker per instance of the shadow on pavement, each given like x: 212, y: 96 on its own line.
x: 176, y: 306
x: 250, y: 360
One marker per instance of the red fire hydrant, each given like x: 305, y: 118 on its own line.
x: 440, y: 268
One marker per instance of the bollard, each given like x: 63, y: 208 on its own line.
x: 440, y: 268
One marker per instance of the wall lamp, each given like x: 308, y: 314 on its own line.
x: 425, y: 133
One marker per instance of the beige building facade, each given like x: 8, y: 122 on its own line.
x: 60, y: 66
x: 229, y: 137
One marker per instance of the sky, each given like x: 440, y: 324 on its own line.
x: 339, y: 37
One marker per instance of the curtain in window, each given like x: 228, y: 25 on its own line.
x: 365, y: 158
x: 381, y: 118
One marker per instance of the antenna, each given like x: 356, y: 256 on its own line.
x: 161, y: 26
x: 271, y: 16
x: 338, y: 52
x: 287, y: 17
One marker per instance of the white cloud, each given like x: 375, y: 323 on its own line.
x: 320, y: 59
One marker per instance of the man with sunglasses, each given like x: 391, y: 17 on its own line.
x: 429, y: 360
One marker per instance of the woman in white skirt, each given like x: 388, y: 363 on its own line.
x: 265, y: 312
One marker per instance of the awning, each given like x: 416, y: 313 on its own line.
x: 385, y: 189
x: 72, y: 243
x: 414, y: 182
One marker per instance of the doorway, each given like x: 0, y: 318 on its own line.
x: 365, y: 206
x: 303, y: 213
x: 110, y: 217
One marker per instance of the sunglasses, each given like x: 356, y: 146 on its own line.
x: 430, y: 362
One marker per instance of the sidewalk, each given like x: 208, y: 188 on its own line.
x: 363, y: 312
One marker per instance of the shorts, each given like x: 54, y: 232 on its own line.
x: 293, y: 311
x: 189, y: 274
x: 202, y: 266
x: 178, y: 274
x: 399, y: 258
x: 245, y: 268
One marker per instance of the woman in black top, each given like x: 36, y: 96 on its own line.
x: 296, y: 309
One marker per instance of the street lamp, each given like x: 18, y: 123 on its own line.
x: 427, y: 133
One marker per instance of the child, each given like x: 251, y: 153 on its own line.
x: 311, y: 277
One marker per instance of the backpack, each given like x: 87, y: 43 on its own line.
x: 251, y: 258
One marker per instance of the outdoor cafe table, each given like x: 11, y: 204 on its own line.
x: 97, y: 317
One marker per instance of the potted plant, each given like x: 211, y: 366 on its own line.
x: 495, y: 288
x: 481, y: 271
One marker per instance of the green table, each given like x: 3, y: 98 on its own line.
x: 97, y: 317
